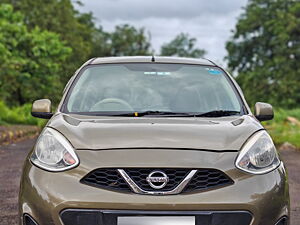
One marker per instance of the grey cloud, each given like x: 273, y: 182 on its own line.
x: 139, y: 9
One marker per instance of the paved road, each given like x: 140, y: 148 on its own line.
x: 292, y: 162
x: 12, y: 157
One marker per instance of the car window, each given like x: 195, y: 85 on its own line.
x: 137, y: 87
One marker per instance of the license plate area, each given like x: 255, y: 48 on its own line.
x: 156, y: 220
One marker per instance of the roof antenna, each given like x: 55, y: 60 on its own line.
x: 152, y: 59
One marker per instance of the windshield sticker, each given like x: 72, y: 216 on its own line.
x: 157, y: 73
x: 213, y: 71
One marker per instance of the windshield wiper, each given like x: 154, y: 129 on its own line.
x: 162, y: 113
x: 152, y: 112
x: 215, y: 113
x: 218, y: 113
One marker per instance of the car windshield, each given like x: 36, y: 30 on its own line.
x: 109, y: 89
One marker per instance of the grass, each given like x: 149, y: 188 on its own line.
x: 18, y: 115
x: 283, y: 130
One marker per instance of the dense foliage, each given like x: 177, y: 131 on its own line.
x: 30, y: 60
x: 129, y: 41
x: 265, y: 52
x: 18, y: 115
x: 60, y: 17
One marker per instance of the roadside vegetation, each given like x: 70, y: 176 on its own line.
x: 285, y: 127
x: 18, y: 115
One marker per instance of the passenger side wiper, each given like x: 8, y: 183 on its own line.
x: 218, y: 113
x: 162, y: 113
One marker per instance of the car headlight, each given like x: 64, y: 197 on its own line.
x: 53, y: 152
x: 258, y: 155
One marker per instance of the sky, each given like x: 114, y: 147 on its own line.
x: 209, y: 21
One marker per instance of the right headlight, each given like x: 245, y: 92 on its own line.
x: 258, y: 155
x: 53, y: 152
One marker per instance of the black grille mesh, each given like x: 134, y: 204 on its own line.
x: 106, y: 178
x: 207, y: 178
x: 109, y: 178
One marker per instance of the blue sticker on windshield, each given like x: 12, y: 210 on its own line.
x: 213, y: 71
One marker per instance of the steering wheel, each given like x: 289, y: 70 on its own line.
x: 111, y: 104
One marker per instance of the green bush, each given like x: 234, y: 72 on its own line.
x: 18, y: 115
x: 283, y: 130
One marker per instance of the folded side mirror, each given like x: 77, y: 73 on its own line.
x: 42, y: 109
x: 263, y: 111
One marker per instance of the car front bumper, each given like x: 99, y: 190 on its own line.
x: 46, y: 196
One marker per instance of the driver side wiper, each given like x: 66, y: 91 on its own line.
x: 218, y: 113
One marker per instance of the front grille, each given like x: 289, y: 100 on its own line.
x: 139, y: 176
x: 204, y: 179
x: 207, y: 178
x: 106, y: 178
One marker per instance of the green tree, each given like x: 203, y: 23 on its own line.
x: 101, y: 43
x: 76, y: 29
x: 182, y: 46
x: 265, y: 50
x: 30, y: 61
x: 127, y: 40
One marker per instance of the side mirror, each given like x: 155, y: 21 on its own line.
x: 42, y: 109
x: 263, y: 111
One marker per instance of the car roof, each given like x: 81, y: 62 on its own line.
x: 147, y: 59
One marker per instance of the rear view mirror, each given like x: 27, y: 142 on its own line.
x: 263, y: 111
x: 41, y: 109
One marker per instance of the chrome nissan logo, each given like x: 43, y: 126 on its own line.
x: 157, y: 179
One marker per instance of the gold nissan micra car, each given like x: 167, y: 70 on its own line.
x: 153, y: 141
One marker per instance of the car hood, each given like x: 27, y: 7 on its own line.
x: 97, y: 133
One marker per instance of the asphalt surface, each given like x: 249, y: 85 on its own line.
x: 12, y: 158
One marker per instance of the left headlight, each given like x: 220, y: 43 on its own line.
x: 258, y: 155
x: 53, y: 152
